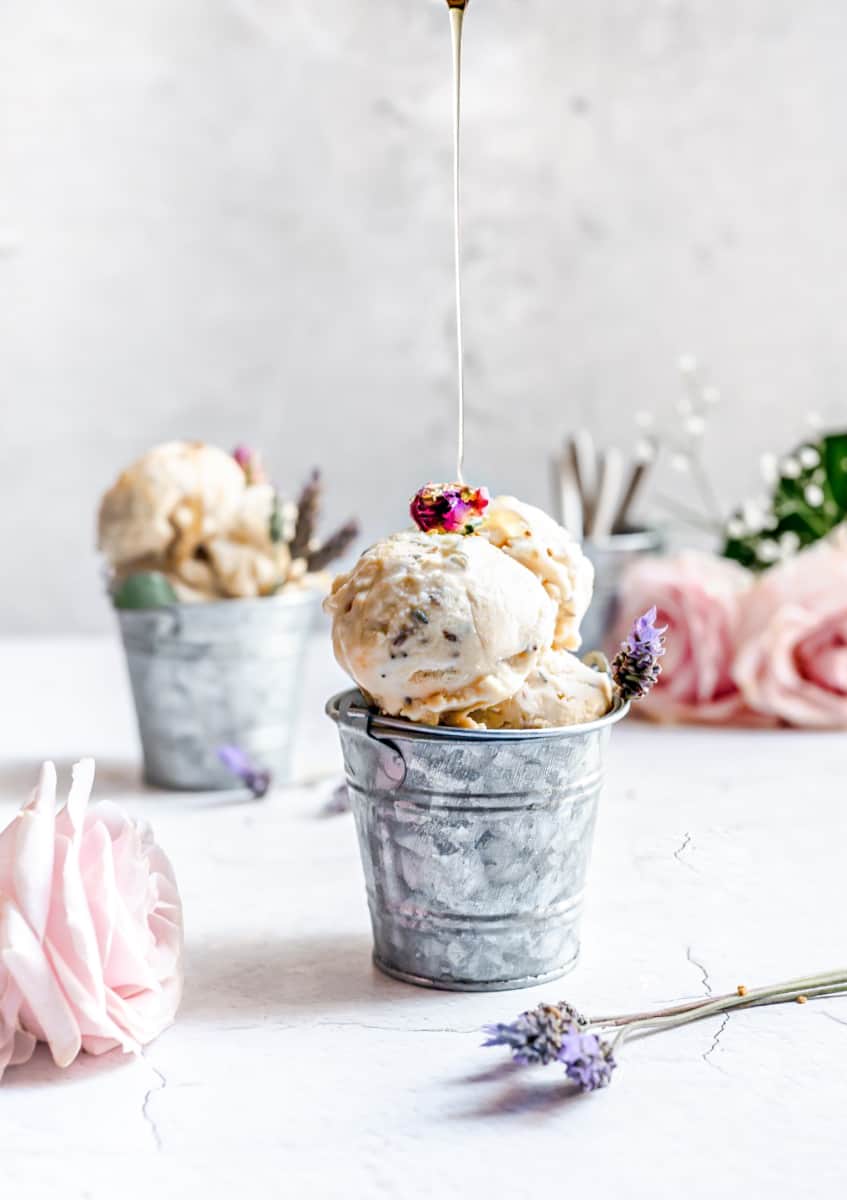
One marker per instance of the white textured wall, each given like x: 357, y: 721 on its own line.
x: 229, y: 219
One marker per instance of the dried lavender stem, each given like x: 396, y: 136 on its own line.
x: 834, y: 982
x: 307, y: 516
x: 333, y: 547
x: 744, y: 1001
x: 645, y: 1028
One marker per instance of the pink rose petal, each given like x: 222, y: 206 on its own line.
x: 792, y: 664
x: 699, y: 598
x: 90, y: 928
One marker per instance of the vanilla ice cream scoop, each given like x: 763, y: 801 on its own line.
x: 168, y: 502
x: 547, y: 550
x: 430, y: 623
x: 188, y: 510
x: 560, y: 690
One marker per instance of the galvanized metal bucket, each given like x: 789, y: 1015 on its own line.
x: 213, y: 674
x: 475, y: 844
x: 611, y: 556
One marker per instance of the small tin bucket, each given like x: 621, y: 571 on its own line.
x: 213, y: 674
x: 611, y: 556
x: 475, y: 844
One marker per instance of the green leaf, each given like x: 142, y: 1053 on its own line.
x: 275, y: 528
x: 145, y: 589
x: 835, y: 461
x: 807, y: 504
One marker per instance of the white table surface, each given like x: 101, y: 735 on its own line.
x: 295, y: 1070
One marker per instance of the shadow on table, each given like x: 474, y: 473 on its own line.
x: 515, y: 1090
x: 534, y: 1097
x: 289, y: 976
x: 41, y: 1071
x: 17, y: 779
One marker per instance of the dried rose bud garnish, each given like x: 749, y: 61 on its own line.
x: 448, y: 507
x: 250, y: 463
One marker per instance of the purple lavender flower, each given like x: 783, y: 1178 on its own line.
x: 253, y: 777
x: 635, y: 667
x: 535, y: 1036
x: 587, y: 1060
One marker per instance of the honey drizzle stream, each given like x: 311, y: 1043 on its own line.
x: 457, y: 13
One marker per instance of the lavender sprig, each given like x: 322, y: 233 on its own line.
x: 333, y: 547
x: 253, y: 777
x: 307, y: 516
x: 558, y: 1033
x: 635, y: 668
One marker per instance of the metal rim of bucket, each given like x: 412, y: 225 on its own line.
x: 349, y: 707
x: 469, y: 985
x: 287, y: 597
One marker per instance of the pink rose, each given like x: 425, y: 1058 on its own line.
x: 90, y: 928
x: 698, y: 597
x: 793, y: 660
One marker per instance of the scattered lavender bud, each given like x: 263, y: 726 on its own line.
x: 253, y: 777
x: 635, y: 667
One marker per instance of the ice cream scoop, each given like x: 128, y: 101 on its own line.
x: 546, y: 549
x: 200, y: 516
x: 170, y: 500
x: 431, y: 624
x: 560, y: 690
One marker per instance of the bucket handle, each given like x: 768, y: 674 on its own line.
x: 391, y: 766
